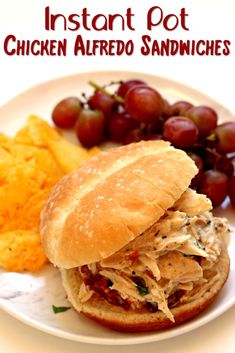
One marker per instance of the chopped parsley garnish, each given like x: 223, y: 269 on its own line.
x: 141, y: 286
x: 60, y: 309
x: 142, y: 290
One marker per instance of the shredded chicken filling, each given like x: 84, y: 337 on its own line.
x: 172, y: 262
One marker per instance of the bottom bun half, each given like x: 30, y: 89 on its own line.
x: 115, y: 317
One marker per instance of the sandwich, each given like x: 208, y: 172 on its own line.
x: 138, y: 250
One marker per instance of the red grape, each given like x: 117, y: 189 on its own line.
x: 225, y: 134
x: 166, y: 109
x: 225, y: 165
x: 179, y: 108
x: 215, y: 160
x: 231, y: 191
x: 101, y: 101
x: 155, y: 137
x: 120, y: 124
x: 151, y: 128
x: 126, y: 85
x: 198, y: 161
x: 214, y: 184
x: 204, y: 117
x: 66, y: 112
x: 135, y: 135
x: 180, y: 131
x: 144, y: 104
x: 90, y: 127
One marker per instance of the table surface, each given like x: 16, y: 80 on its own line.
x: 214, y: 77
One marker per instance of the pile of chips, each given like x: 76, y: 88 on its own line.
x: 30, y: 165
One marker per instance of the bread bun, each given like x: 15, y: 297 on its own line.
x: 116, y: 317
x: 100, y: 207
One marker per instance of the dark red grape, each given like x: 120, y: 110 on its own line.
x: 154, y: 137
x: 151, y: 128
x: 166, y: 113
x: 214, y: 160
x: 135, y: 135
x: 120, y: 124
x: 199, y: 163
x: 154, y: 128
x: 90, y: 127
x: 144, y: 104
x: 180, y: 131
x: 225, y: 165
x: 66, y: 112
x: 204, y: 117
x: 214, y: 184
x: 126, y: 85
x: 231, y: 190
x: 101, y: 101
x: 225, y: 134
x: 179, y: 108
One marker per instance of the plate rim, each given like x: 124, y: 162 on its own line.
x: 116, y: 72
x: 154, y: 336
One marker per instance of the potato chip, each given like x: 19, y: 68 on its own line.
x: 4, y: 139
x: 21, y: 250
x: 25, y: 171
x: 43, y: 135
x: 29, y: 215
x: 23, y: 136
x: 4, y: 155
x: 61, y: 149
x: 43, y: 161
x: 16, y: 149
x: 5, y: 164
x: 13, y: 196
x: 30, y: 165
x: 37, y: 131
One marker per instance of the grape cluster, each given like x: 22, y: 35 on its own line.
x: 137, y: 112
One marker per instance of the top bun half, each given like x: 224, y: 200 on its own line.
x: 100, y: 207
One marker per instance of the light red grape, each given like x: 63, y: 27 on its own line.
x: 66, y: 112
x: 179, y: 108
x: 101, y: 101
x: 180, y: 131
x: 204, y: 117
x: 214, y: 184
x: 225, y: 134
x: 144, y: 104
x: 126, y: 85
x: 90, y: 127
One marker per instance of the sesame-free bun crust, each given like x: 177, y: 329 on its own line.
x: 100, y: 207
x: 117, y: 318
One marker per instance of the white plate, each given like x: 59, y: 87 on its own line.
x: 29, y: 298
